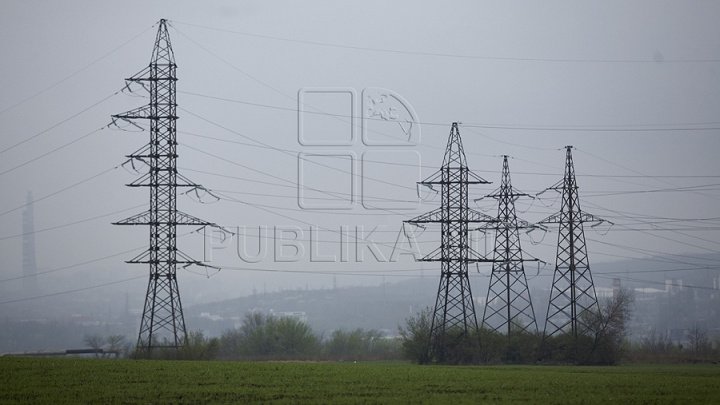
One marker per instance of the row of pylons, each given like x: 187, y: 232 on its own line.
x: 509, y: 307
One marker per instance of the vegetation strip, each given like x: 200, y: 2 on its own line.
x: 59, y: 381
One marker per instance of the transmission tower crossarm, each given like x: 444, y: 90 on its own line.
x: 142, y: 218
x: 558, y: 186
x: 187, y: 219
x: 433, y: 216
x: 181, y: 218
x: 501, y: 192
x: 187, y: 260
x: 185, y: 182
x: 500, y: 224
x: 472, y: 257
x: 437, y: 177
x: 142, y: 75
x: 580, y: 217
x: 478, y: 217
x: 146, y: 258
x: 552, y: 219
x: 587, y: 217
x: 142, y: 112
x: 437, y: 216
x: 523, y: 224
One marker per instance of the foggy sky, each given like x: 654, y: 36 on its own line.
x: 633, y: 85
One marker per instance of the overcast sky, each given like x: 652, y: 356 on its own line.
x: 632, y: 85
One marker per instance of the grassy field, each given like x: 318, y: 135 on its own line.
x: 57, y: 381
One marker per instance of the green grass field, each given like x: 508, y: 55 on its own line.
x: 58, y: 381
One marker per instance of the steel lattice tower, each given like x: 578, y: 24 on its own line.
x: 163, y: 323
x: 509, y: 306
x: 573, y: 292
x: 454, y: 307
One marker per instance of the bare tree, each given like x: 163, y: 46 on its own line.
x: 698, y: 339
x: 615, y: 313
x: 656, y: 343
x: 608, y: 327
x: 95, y: 342
x: 117, y: 344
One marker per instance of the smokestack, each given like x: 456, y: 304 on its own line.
x: 29, y: 265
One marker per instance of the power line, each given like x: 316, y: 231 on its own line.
x: 653, y: 252
x: 80, y: 221
x: 263, y: 145
x: 698, y: 126
x: 63, y: 146
x: 61, y: 190
x: 638, y: 172
x: 675, y: 240
x: 661, y: 270
x: 83, y: 263
x: 72, y: 291
x: 248, y: 193
x: 75, y: 73
x: 294, y: 219
x: 700, y: 187
x: 689, y: 286
x: 72, y: 266
x: 316, y: 210
x: 57, y: 124
x: 292, y: 185
x: 294, y: 154
x: 450, y: 55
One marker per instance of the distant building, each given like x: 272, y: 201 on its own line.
x: 298, y: 315
x: 673, y: 286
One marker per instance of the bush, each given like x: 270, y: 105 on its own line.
x: 268, y: 337
x: 415, y: 337
x: 457, y: 347
x: 196, y: 347
x: 603, y: 341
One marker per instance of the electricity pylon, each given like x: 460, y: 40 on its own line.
x: 573, y: 292
x: 163, y: 323
x: 454, y: 311
x: 508, y: 306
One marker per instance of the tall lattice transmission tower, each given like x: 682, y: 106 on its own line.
x: 163, y: 323
x: 508, y: 307
x: 573, y: 291
x: 454, y: 312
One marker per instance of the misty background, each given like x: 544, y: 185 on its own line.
x: 633, y: 86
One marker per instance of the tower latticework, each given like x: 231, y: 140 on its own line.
x: 573, y: 293
x: 454, y: 312
x: 508, y: 307
x: 163, y: 323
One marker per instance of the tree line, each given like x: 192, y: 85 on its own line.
x: 604, y: 342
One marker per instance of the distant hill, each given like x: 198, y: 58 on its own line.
x: 62, y: 321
